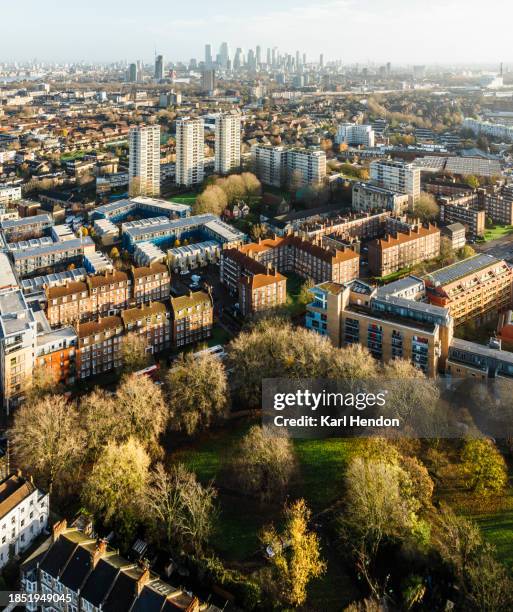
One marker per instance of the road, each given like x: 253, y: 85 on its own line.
x: 501, y: 248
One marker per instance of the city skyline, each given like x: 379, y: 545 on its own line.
x: 340, y: 29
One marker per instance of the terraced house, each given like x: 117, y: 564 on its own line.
x: 192, y: 317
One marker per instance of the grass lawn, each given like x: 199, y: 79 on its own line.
x: 497, y: 231
x: 184, y: 198
x: 74, y: 155
x: 393, y: 276
x: 498, y: 530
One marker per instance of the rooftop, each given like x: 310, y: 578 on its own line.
x: 460, y: 269
x: 13, y: 490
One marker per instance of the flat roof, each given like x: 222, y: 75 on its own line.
x: 50, y: 248
x: 473, y: 347
x: 460, y: 269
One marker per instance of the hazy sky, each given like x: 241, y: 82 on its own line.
x: 406, y: 31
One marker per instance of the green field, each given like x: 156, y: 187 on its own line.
x: 498, y: 530
x: 497, y: 231
x: 74, y: 155
x: 184, y: 198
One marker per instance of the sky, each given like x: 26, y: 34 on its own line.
x: 400, y: 31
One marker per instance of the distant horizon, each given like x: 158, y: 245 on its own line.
x: 437, y: 32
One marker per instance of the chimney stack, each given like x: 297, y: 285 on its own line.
x: 143, y: 579
x: 99, y: 551
x: 58, y: 528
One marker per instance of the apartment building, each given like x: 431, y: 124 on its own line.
x: 192, y: 317
x: 496, y: 130
x: 367, y: 197
x: 259, y: 286
x: 144, y: 160
x: 471, y: 360
x: 106, y: 294
x: 56, y: 350
x: 455, y: 233
x: 190, y: 143
x: 26, y: 227
x: 398, y: 176
x: 227, y: 142
x: 30, y: 259
x: 24, y: 511
x: 95, y: 577
x: 499, y: 205
x: 99, y: 346
x: 471, y: 217
x: 18, y: 331
x: 354, y: 134
x: 9, y: 195
x: 279, y: 165
x: 475, y: 288
x: 389, y: 326
x: 305, y: 167
x: 151, y: 322
x: 403, y: 249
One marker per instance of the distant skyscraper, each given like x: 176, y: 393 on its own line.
x: 208, y: 56
x: 132, y: 73
x: 268, y: 57
x: 389, y: 67
x: 227, y: 154
x: 208, y: 80
x: 144, y: 160
x: 237, y: 60
x: 258, y: 56
x: 304, y: 59
x: 159, y: 67
x: 321, y: 61
x: 190, y: 142
x: 224, y: 55
x: 251, y: 60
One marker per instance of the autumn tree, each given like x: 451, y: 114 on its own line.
x: 426, y: 208
x: 179, y: 508
x: 263, y: 463
x: 251, y: 184
x: 141, y: 407
x: 113, y: 492
x: 233, y: 186
x: 134, y: 352
x: 44, y: 381
x: 100, y: 421
x: 46, y: 439
x: 197, y: 392
x: 484, y: 467
x: 213, y: 200
x: 294, y: 554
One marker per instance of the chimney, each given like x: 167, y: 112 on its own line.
x: 59, y: 528
x: 99, y: 551
x: 143, y: 579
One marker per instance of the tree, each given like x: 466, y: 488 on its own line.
x: 47, y: 440
x: 180, y: 508
x: 114, y: 489
x: 197, y: 392
x: 472, y: 181
x: 379, y: 505
x: 257, y: 231
x: 262, y: 463
x: 251, y: 183
x: 44, y: 381
x: 466, y: 251
x: 100, y: 420
x: 484, y: 467
x: 140, y: 405
x: 294, y: 554
x: 446, y: 251
x: 212, y: 200
x: 134, y: 352
x: 233, y: 186
x: 426, y: 208
x: 305, y: 297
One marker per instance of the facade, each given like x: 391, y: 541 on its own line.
x: 144, y: 160
x: 208, y: 80
x: 9, y: 195
x: 31, y: 259
x: 74, y: 563
x: 496, y: 130
x: 192, y: 256
x: 18, y: 331
x: 268, y: 164
x: 354, y: 134
x: 56, y: 350
x: 279, y: 165
x: 499, y: 205
x: 455, y: 232
x: 192, y: 317
x: 398, y: 176
x: 150, y: 321
x: 389, y: 326
x: 106, y: 294
x: 227, y: 149
x: 99, y: 346
x: 471, y: 360
x: 367, y: 197
x: 24, y: 511
x: 403, y: 249
x: 26, y: 227
x: 190, y: 139
x: 474, y: 288
x: 472, y: 218
x: 159, y: 67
